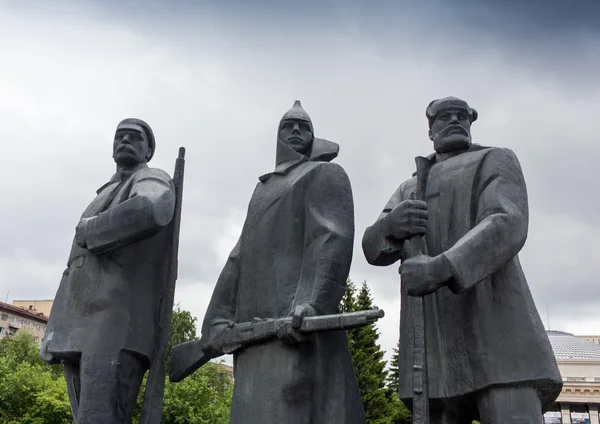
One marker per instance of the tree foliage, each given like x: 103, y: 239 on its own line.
x: 33, y: 392
x: 382, y: 405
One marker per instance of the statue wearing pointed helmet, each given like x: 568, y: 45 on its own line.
x: 292, y: 259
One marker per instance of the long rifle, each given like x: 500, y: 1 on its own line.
x: 414, y: 247
x: 155, y: 386
x: 187, y: 357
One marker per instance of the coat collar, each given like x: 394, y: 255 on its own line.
x: 122, y: 176
x: 431, y: 158
x: 287, y: 158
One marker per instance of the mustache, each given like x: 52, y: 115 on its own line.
x: 455, y: 127
x: 125, y: 147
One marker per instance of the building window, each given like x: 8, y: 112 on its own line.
x: 31, y: 325
x: 1, y: 330
x: 553, y: 417
x: 4, y: 317
x: 12, y: 331
x: 15, y: 320
x: 35, y: 339
x: 24, y: 322
x: 39, y: 327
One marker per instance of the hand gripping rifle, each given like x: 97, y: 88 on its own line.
x: 188, y: 357
x: 414, y: 247
x: 155, y: 386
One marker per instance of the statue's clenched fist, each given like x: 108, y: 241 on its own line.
x: 407, y: 219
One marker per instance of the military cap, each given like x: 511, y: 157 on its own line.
x: 147, y: 129
x: 436, y: 106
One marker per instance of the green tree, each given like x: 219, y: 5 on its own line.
x: 367, y: 358
x: 393, y: 372
x: 348, y: 303
x: 401, y: 414
x: 31, y: 392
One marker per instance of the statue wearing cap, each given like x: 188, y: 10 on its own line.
x: 292, y: 259
x: 488, y: 355
x: 103, y: 322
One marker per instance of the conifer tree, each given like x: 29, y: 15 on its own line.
x: 393, y: 376
x: 367, y: 358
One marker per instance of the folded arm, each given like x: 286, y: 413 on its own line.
x: 148, y: 209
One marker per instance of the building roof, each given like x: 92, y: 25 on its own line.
x: 5, y: 307
x: 567, y: 346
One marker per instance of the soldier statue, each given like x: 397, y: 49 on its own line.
x: 487, y: 355
x: 103, y: 325
x: 292, y: 260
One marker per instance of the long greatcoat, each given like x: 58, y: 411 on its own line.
x: 483, y: 329
x: 107, y: 300
x: 295, y: 248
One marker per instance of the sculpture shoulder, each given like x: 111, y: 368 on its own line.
x: 491, y: 157
x: 328, y: 173
x: 495, y: 153
x: 152, y: 173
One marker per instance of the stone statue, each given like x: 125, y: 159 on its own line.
x: 488, y: 355
x: 103, y: 325
x: 292, y: 259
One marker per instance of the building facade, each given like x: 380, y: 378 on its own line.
x: 578, y: 360
x: 36, y: 306
x: 14, y: 318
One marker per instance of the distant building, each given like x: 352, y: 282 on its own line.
x: 593, y: 339
x: 43, y: 306
x: 14, y: 318
x: 578, y: 359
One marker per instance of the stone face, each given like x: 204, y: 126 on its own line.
x: 103, y: 324
x: 482, y: 328
x: 292, y: 259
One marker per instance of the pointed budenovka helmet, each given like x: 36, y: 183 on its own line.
x: 297, y: 112
x: 321, y: 150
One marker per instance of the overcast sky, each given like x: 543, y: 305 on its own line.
x: 216, y: 77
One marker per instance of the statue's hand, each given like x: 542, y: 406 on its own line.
x: 407, y: 219
x: 422, y: 275
x: 44, y: 354
x: 212, y: 346
x: 289, y: 332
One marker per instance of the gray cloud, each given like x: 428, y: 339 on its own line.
x: 218, y: 85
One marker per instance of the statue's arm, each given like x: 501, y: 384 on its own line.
x: 221, y: 308
x: 148, y: 209
x: 379, y: 249
x: 502, y: 219
x: 328, y: 239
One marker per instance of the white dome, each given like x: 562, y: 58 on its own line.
x: 567, y: 346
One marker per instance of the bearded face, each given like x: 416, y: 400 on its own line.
x: 451, y: 131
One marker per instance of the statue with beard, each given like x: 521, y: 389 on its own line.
x: 488, y: 355
x: 292, y: 259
